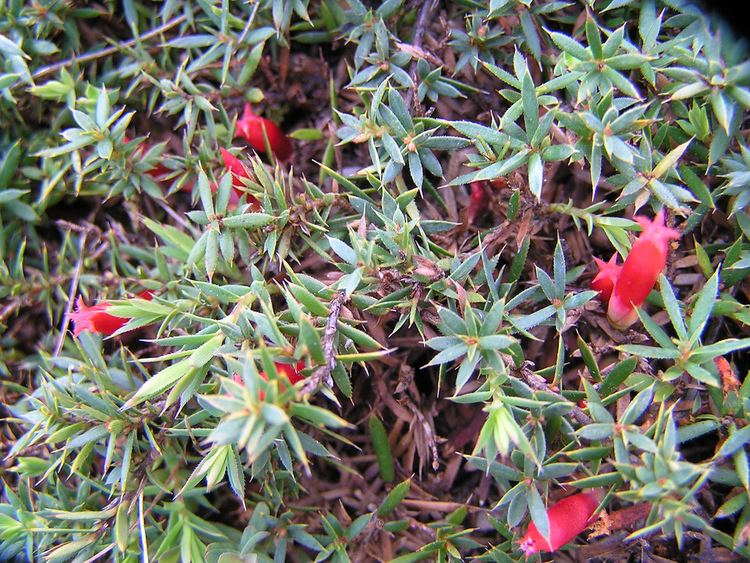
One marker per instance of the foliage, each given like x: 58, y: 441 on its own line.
x: 459, y: 375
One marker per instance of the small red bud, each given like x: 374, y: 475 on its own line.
x: 499, y: 183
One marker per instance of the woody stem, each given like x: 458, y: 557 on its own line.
x: 323, y: 373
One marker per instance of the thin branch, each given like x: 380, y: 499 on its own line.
x: 421, y: 24
x: 101, y: 53
x: 323, y: 373
x: 416, y: 43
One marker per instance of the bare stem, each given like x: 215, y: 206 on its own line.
x: 101, y: 53
x: 323, y: 373
x: 419, y: 28
x: 72, y: 294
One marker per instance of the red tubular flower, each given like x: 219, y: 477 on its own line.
x: 157, y: 171
x: 288, y: 371
x: 96, y: 319
x: 238, y: 170
x: 291, y: 372
x: 605, y: 280
x: 647, y: 259
x: 251, y: 128
x: 479, y: 200
x: 567, y: 519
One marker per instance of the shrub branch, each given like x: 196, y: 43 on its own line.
x: 323, y: 373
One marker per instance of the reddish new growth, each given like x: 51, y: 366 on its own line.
x: 567, y: 518
x: 254, y: 129
x: 626, y: 287
x: 287, y: 371
x: 95, y: 318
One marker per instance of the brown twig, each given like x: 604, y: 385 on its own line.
x: 416, y: 44
x: 421, y: 23
x: 72, y: 293
x: 323, y: 373
x: 101, y: 53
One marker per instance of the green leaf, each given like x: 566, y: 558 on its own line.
x: 666, y: 163
x: 394, y: 498
x: 650, y: 352
x: 307, y: 134
x: 538, y: 511
x: 569, y: 45
x: 307, y: 299
x: 530, y: 105
x: 588, y: 359
x: 160, y: 382
x: 617, y: 376
x: 205, y: 352
x: 318, y: 415
x: 637, y: 406
x: 536, y: 175
x: 736, y: 441
x: 673, y: 307
x: 593, y: 37
x: 248, y: 221
x: 703, y: 307
x: 382, y: 448
x: 343, y: 250
x: 310, y: 339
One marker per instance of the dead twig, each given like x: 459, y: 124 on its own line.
x: 102, y: 53
x: 71, y: 293
x: 323, y: 373
x: 416, y: 45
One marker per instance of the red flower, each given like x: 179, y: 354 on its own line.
x: 288, y: 371
x: 157, y: 171
x: 252, y: 127
x: 238, y: 170
x: 567, y: 518
x: 499, y: 183
x: 479, y: 200
x: 647, y: 259
x: 96, y: 319
x: 604, y: 282
x: 291, y: 372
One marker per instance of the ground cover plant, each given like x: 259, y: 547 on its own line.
x: 399, y: 281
